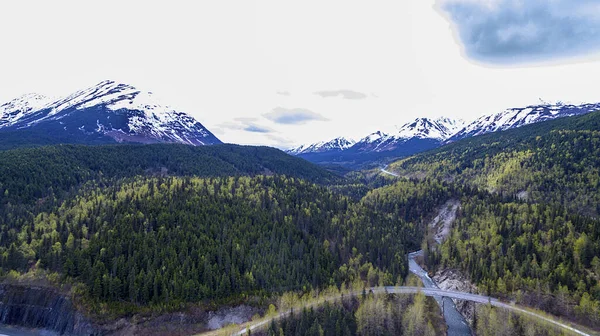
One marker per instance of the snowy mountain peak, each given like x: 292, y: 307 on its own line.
x: 374, y: 137
x: 114, y: 96
x: 425, y: 128
x: 335, y: 145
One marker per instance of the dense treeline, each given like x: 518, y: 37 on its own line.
x: 169, y: 240
x: 554, y: 162
x: 32, y: 174
x: 367, y: 315
x: 537, y: 240
x: 538, y: 254
x: 490, y: 321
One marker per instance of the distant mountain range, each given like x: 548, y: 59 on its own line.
x: 108, y: 112
x: 423, y: 134
x: 112, y: 112
x: 517, y: 117
x: 335, y: 145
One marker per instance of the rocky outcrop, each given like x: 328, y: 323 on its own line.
x: 46, y: 309
x: 42, y: 308
x: 455, y: 280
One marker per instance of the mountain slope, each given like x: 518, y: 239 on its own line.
x: 517, y: 117
x: 29, y: 174
x: 417, y: 136
x: 424, y: 128
x: 108, y: 112
x: 334, y: 145
x: 553, y: 162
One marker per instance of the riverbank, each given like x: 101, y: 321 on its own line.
x: 457, y: 324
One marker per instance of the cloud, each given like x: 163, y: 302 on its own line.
x: 516, y: 31
x: 246, y: 124
x: 283, y: 93
x: 293, y: 116
x: 346, y: 94
x: 257, y: 129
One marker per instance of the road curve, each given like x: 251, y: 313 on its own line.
x: 435, y: 292
x: 383, y: 170
x: 428, y: 292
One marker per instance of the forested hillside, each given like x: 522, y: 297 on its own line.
x: 169, y: 240
x: 31, y: 174
x: 539, y: 255
x: 535, y: 237
x: 366, y: 315
x: 554, y: 162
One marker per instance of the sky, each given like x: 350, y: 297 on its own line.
x: 285, y: 73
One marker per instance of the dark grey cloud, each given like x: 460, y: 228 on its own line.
x: 346, y: 94
x: 293, y: 116
x: 246, y: 124
x: 516, y: 31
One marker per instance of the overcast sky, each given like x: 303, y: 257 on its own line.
x: 282, y: 73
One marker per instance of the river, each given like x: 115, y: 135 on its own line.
x: 457, y: 325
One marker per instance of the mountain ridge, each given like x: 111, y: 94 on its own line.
x: 520, y: 116
x: 426, y: 133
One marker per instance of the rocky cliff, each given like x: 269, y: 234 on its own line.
x: 42, y: 308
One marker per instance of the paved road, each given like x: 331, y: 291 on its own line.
x: 457, y: 325
x: 434, y: 292
x: 383, y: 170
x: 431, y: 292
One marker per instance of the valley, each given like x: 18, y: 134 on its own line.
x: 193, y: 238
x: 300, y: 168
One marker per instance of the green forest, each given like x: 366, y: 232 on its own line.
x: 555, y: 162
x: 530, y: 233
x: 169, y: 240
x: 365, y: 315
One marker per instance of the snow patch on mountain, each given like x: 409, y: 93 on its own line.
x: 424, y: 128
x: 517, y: 117
x: 374, y: 137
x: 14, y: 110
x: 337, y: 144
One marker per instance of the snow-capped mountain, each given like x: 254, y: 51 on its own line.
x: 517, y: 117
x: 424, y: 128
x: 106, y: 112
x: 335, y: 145
x: 430, y: 130
x: 436, y: 130
x: 424, y: 134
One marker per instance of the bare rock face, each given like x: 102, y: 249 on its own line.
x: 42, y: 308
x: 442, y: 223
x: 455, y: 280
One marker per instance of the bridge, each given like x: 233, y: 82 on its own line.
x: 435, y: 292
